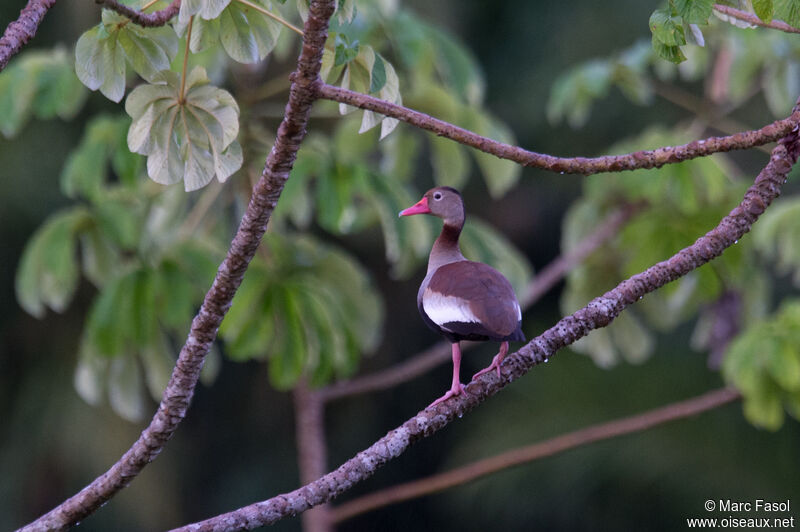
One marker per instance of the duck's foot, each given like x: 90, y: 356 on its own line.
x: 456, y: 389
x: 496, y: 362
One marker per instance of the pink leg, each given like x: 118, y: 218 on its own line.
x: 456, y: 388
x: 496, y: 361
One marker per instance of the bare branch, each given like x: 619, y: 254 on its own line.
x: 439, y: 353
x: 156, y: 18
x: 22, y: 30
x: 600, y: 312
x: 179, y: 391
x: 559, y: 444
x: 750, y: 18
x: 309, y: 413
x: 575, y: 165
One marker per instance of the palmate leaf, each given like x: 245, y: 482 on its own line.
x: 247, y: 35
x: 311, y: 310
x: 102, y: 53
x: 41, y: 84
x: 763, y: 362
x: 192, y: 137
x: 47, y: 275
x: 103, y: 145
x: 370, y: 73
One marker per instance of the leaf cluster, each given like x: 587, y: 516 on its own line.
x: 40, y: 84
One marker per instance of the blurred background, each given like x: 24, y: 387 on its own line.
x: 237, y: 444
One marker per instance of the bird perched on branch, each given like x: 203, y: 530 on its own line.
x: 459, y: 298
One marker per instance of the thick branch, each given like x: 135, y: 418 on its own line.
x: 559, y: 444
x: 22, y: 30
x: 600, y: 312
x: 750, y: 18
x: 575, y: 165
x: 439, y: 353
x: 156, y: 18
x: 179, y: 391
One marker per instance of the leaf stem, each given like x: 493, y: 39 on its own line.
x: 148, y: 5
x: 182, y: 94
x: 273, y: 16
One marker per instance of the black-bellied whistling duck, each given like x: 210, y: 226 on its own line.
x: 461, y: 299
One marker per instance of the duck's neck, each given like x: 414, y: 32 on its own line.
x: 445, y: 249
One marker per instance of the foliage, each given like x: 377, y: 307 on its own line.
x: 40, y: 84
x: 670, y: 25
x: 186, y: 128
x: 318, y: 312
x: 764, y: 364
x: 306, y: 307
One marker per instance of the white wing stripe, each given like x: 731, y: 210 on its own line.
x: 443, y: 309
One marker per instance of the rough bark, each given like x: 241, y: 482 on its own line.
x: 156, y: 18
x: 22, y: 30
x: 565, y: 165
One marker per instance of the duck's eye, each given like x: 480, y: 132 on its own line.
x: 437, y: 195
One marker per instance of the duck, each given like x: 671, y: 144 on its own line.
x: 459, y: 298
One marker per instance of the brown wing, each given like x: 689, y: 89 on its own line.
x: 489, y: 295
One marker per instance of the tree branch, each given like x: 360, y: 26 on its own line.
x: 179, y: 391
x: 750, y: 18
x: 439, y: 353
x: 559, y: 444
x: 600, y: 312
x: 311, y: 450
x: 575, y: 165
x: 148, y: 20
x: 22, y: 30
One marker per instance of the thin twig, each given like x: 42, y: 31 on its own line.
x: 575, y: 165
x: 750, y: 18
x: 179, y: 391
x: 273, y: 16
x: 599, y: 312
x: 571, y: 440
x: 148, y: 20
x: 182, y: 93
x: 439, y: 353
x: 22, y: 30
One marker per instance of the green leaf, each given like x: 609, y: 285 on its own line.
x: 344, y: 51
x: 377, y: 78
x: 666, y: 28
x: 369, y: 72
x: 191, y: 137
x: 788, y: 11
x: 247, y: 35
x: 310, y: 310
x: 110, y: 324
x: 672, y: 54
x: 90, y: 374
x: 695, y: 11
x: 765, y: 9
x: 98, y: 256
x: 206, y: 9
x: 125, y: 388
x: 41, y: 84
x: 47, y: 275
x: 103, y: 144
x: 763, y: 362
x: 345, y: 11
x: 102, y: 52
